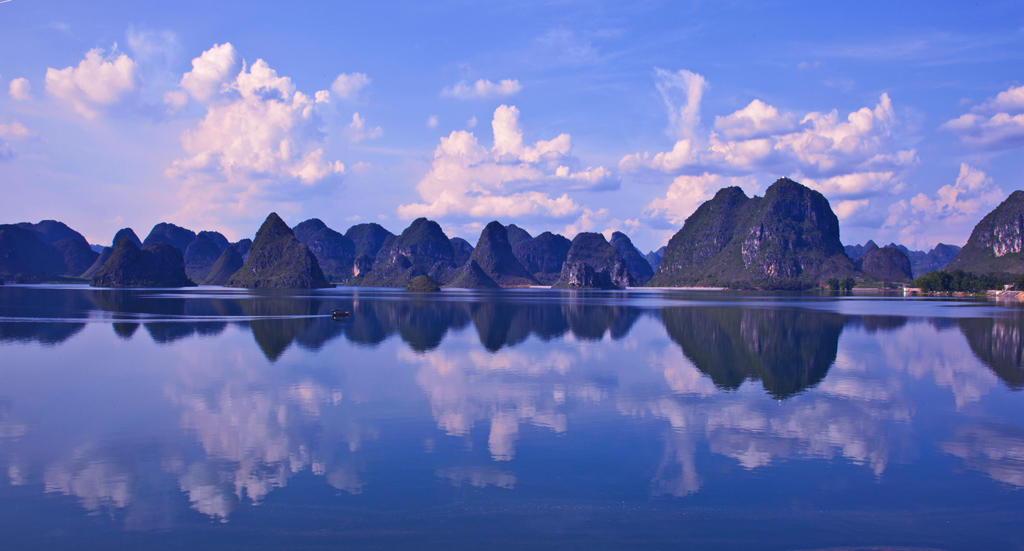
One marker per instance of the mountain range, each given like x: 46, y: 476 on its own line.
x: 787, y: 239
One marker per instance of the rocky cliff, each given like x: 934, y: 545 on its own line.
x: 169, y: 233
x: 639, y: 269
x: 494, y: 255
x: 886, y: 264
x: 788, y: 239
x: 333, y: 251
x: 157, y: 265
x: 278, y: 260
x: 592, y: 263
x: 997, y: 242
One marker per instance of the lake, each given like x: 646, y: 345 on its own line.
x: 517, y: 419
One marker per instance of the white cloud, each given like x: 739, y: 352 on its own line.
x: 471, y: 123
x: 20, y: 89
x: 15, y: 131
x: 357, y: 131
x: 151, y: 45
x: 995, y: 125
x: 97, y: 82
x: 483, y: 89
x: 686, y: 193
x: 682, y: 92
x: 755, y: 120
x: 511, y: 179
x: 846, y: 209
x: 211, y: 72
x: 432, y: 121
x: 348, y: 85
x: 949, y: 215
x: 259, y: 135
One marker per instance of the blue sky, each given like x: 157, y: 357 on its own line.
x: 563, y: 116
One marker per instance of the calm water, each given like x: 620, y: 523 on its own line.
x: 521, y: 419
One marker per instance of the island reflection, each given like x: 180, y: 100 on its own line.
x: 492, y: 373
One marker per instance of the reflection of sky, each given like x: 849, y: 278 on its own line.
x: 231, y: 432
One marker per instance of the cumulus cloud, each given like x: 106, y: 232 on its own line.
x: 686, y: 193
x: 259, y: 135
x: 20, y: 89
x: 211, y: 73
x: 511, y: 179
x: 357, y: 131
x: 949, y: 214
x: 997, y: 124
x: 755, y: 120
x: 349, y: 85
x: 483, y: 89
x: 98, y: 81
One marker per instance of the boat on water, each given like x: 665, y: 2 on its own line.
x: 339, y: 313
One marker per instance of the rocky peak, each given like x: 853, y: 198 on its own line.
x: 639, y: 269
x: 997, y: 242
x: 592, y: 263
x: 278, y: 260
x: 494, y: 254
x: 165, y: 232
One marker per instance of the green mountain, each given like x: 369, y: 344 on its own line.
x: 278, y: 260
x: 201, y: 254
x: 462, y: 250
x: 333, y: 251
x: 415, y: 252
x: 52, y: 231
x: 229, y: 262
x: 158, y: 265
x: 997, y: 242
x: 493, y: 254
x: 592, y: 263
x: 25, y: 258
x: 788, y: 239
x: 169, y: 233
x: 471, y: 276
x: 368, y: 238
x: 78, y: 256
x: 887, y: 264
x: 639, y: 269
x: 542, y: 256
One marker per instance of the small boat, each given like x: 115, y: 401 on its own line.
x: 338, y: 313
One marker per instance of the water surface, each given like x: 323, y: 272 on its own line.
x: 215, y: 418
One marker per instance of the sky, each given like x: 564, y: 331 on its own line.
x: 558, y: 116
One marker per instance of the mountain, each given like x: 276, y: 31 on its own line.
x: 368, y: 238
x: 471, y: 276
x: 169, y: 233
x: 421, y: 284
x: 494, y: 255
x: 201, y: 254
x: 126, y: 233
x: 462, y: 250
x: 639, y: 269
x: 788, y: 239
x: 997, y: 242
x: 242, y: 246
x: 52, y: 231
x: 78, y: 256
x: 24, y: 257
x: 888, y: 264
x: 229, y: 262
x: 857, y: 251
x: 157, y: 265
x: 542, y: 256
x: 654, y: 258
x: 415, y: 252
x: 90, y: 272
x: 333, y: 251
x: 936, y: 259
x: 218, y: 238
x: 278, y: 260
x: 592, y: 263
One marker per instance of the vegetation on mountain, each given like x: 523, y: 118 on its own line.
x: 886, y: 264
x: 126, y: 233
x: 278, y: 260
x: 52, y: 231
x: 592, y: 263
x: 462, y: 250
x: 165, y: 232
x: 639, y: 269
x: 415, y: 252
x: 788, y: 239
x: 333, y: 251
x: 471, y: 276
x: 421, y: 284
x: 201, y: 254
x: 997, y: 242
x: 542, y: 256
x: 157, y: 265
x: 959, y: 281
x: 494, y: 255
x: 78, y: 256
x: 368, y: 238
x: 229, y: 262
